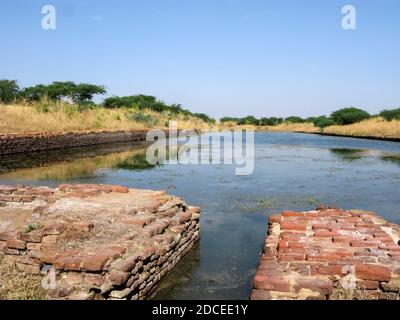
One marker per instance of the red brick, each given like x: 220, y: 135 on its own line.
x: 260, y: 295
x: 389, y: 247
x: 275, y: 218
x: 49, y: 254
x: 292, y: 244
x: 293, y: 214
x: 373, y: 272
x: 117, y: 278
x: 119, y: 189
x: 23, y: 198
x: 7, y: 190
x: 342, y: 239
x: 323, y: 257
x: 369, y: 285
x: 273, y: 283
x: 294, y: 250
x: 16, y: 244
x: 4, y: 236
x: 320, y: 225
x: 140, y: 221
x: 95, y: 262
x: 322, y: 233
x: 364, y: 244
x: 33, y: 236
x: 282, y: 244
x: 330, y: 269
x: 288, y: 225
x: 184, y: 216
x: 292, y: 235
x: 325, y: 287
x: 293, y: 257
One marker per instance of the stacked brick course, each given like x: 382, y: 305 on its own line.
x: 28, y: 143
x: 103, y: 241
x: 329, y: 254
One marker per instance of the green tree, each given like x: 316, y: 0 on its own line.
x: 9, y: 90
x: 294, y: 119
x: 249, y: 120
x: 273, y: 121
x: 349, y: 115
x: 85, y: 92
x: 59, y: 90
x: 229, y: 119
x: 389, y: 115
x: 322, y: 122
x: 34, y: 93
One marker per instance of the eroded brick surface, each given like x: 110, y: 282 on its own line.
x: 329, y: 254
x: 104, y: 241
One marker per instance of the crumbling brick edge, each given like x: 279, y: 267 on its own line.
x: 129, y: 268
x: 329, y: 254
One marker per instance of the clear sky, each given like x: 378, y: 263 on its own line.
x: 221, y: 57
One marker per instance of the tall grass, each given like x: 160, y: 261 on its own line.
x: 49, y: 116
x: 375, y: 127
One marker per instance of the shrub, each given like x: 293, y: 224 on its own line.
x: 142, y: 118
x: 273, y: 121
x: 322, y: 122
x: 204, y: 117
x: 249, y: 120
x: 389, y: 115
x: 9, y: 90
x: 294, y: 119
x: 229, y: 119
x: 349, y: 115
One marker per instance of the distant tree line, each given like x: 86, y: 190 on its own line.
x: 142, y: 102
x: 82, y: 94
x: 340, y: 117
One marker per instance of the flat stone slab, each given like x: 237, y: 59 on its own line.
x: 329, y: 254
x: 103, y: 241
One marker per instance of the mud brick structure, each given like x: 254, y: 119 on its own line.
x: 101, y: 241
x: 329, y: 254
x: 36, y: 142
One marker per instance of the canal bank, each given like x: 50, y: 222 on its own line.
x: 95, y: 241
x: 292, y: 172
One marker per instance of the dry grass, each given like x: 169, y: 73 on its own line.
x: 16, y: 285
x: 292, y: 127
x: 76, y: 168
x: 61, y: 117
x: 376, y: 127
x: 295, y: 127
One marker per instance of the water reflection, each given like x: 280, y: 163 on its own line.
x: 292, y: 172
x: 347, y: 154
x: 392, y: 158
x: 83, y: 163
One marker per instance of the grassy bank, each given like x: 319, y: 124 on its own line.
x: 59, y: 117
x: 372, y: 128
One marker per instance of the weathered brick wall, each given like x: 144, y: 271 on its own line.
x: 329, y: 254
x: 26, y: 143
x: 130, y: 239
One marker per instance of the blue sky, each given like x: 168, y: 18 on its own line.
x: 221, y: 57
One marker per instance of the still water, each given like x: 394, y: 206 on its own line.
x: 292, y: 172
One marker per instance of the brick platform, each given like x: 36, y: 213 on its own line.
x: 103, y: 241
x: 329, y: 254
